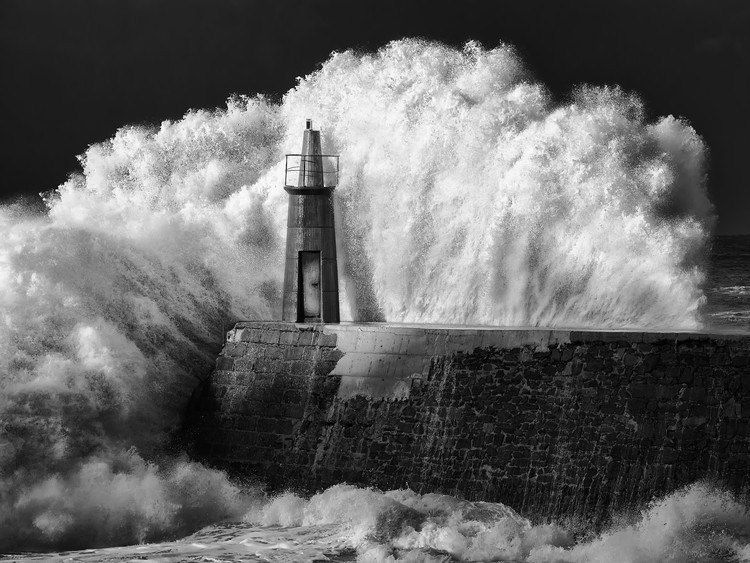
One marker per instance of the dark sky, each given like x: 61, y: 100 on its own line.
x: 73, y: 71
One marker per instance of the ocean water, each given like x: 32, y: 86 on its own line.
x: 728, y: 284
x: 467, y: 195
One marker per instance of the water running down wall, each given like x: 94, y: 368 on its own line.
x: 554, y: 423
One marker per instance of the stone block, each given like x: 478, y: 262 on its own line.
x: 640, y: 390
x: 264, y: 366
x: 274, y: 353
x: 244, y: 364
x: 287, y: 338
x: 307, y: 337
x: 246, y: 335
x: 720, y: 358
x: 283, y: 426
x: 668, y: 358
x: 292, y: 396
x: 301, y: 367
x: 686, y: 375
x: 242, y: 378
x: 292, y: 411
x: 644, y: 347
x: 229, y: 349
x: 668, y: 455
x: 224, y: 363
x: 328, y: 340
x: 293, y: 352
x: 525, y: 355
x: 695, y: 393
x: 650, y: 361
x: 631, y: 359
x: 269, y: 336
x: 637, y: 406
x: 694, y: 421
x: 310, y: 353
x: 220, y: 378
x: 330, y: 355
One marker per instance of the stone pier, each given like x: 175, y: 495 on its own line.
x: 551, y: 422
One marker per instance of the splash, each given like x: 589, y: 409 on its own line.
x: 466, y: 196
x: 344, y: 523
x: 699, y: 523
x: 112, y: 310
x: 403, y: 525
x: 469, y: 197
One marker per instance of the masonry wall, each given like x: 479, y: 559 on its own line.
x: 552, y: 423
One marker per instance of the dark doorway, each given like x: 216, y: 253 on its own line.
x: 309, y: 286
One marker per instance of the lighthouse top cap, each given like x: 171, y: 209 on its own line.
x: 310, y: 168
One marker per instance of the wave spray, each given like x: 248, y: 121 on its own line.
x: 466, y: 196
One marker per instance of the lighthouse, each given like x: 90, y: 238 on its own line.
x: 311, y: 283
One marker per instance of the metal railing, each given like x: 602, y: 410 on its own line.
x: 323, y: 169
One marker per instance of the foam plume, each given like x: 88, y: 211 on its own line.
x: 466, y: 196
x: 473, y: 199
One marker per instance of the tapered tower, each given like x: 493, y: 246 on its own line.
x: 311, y: 282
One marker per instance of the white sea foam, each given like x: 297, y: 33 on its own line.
x: 736, y: 290
x: 732, y: 316
x: 699, y: 523
x: 466, y: 196
x: 112, y: 308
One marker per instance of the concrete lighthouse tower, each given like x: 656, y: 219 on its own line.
x: 311, y: 283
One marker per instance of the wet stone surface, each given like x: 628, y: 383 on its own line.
x: 583, y: 428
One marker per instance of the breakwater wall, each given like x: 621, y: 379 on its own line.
x: 550, y: 422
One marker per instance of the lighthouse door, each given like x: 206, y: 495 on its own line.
x: 309, y: 267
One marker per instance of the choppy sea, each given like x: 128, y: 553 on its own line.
x: 728, y: 284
